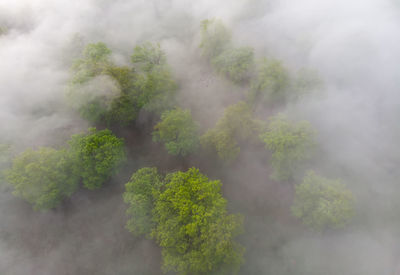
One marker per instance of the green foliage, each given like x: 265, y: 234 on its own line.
x: 156, y: 87
x: 193, y: 228
x: 148, y: 56
x: 323, y: 203
x: 215, y: 37
x: 110, y: 94
x: 95, y: 61
x: 125, y: 107
x: 44, y: 177
x: 236, y: 126
x: 5, y: 161
x: 271, y: 84
x: 178, y: 132
x: 98, y: 155
x: 291, y: 143
x: 236, y: 64
x: 139, y: 194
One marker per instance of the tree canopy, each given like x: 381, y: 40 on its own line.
x: 98, y: 155
x: 271, y: 84
x: 193, y: 227
x: 43, y: 177
x: 140, y: 194
x: 290, y: 142
x: 103, y: 92
x: 237, y: 125
x: 186, y: 214
x: 322, y: 203
x: 235, y: 64
x: 215, y: 37
x: 178, y: 132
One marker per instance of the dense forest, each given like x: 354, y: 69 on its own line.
x: 165, y: 137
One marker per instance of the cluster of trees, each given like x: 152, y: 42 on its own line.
x: 103, y: 92
x: 186, y: 214
x: 47, y: 176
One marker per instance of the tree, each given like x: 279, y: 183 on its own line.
x: 215, y: 37
x: 95, y: 61
x: 44, y: 177
x: 156, y: 87
x: 322, y: 203
x: 291, y: 143
x: 178, y: 132
x: 193, y: 228
x: 92, y: 90
x: 235, y: 64
x: 236, y: 126
x: 140, y: 195
x: 271, y: 84
x: 99, y: 154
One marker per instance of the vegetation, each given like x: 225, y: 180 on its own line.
x: 215, y: 38
x: 140, y: 194
x: 235, y: 127
x: 98, y: 155
x: 178, y: 132
x: 323, y: 203
x: 105, y: 93
x: 271, y: 84
x: 236, y: 64
x: 187, y: 216
x: 43, y: 177
x: 291, y: 144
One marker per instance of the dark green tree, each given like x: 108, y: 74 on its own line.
x: 178, y: 132
x: 236, y: 64
x: 140, y: 193
x: 291, y: 143
x: 43, y: 177
x: 236, y: 126
x: 193, y: 227
x: 98, y: 154
x: 322, y: 203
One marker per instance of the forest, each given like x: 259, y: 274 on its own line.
x: 169, y: 137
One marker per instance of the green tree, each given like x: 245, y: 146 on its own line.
x: 235, y: 64
x: 178, y: 132
x: 91, y: 89
x: 215, y: 37
x: 236, y: 126
x: 44, y: 177
x: 99, y: 154
x: 95, y: 61
x: 291, y: 143
x: 193, y: 227
x: 322, y: 203
x: 155, y: 84
x: 271, y: 84
x: 140, y: 193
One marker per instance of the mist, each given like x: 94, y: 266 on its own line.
x: 354, y: 46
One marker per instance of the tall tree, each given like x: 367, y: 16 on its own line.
x: 215, y: 37
x: 323, y: 203
x: 140, y: 194
x: 178, y: 132
x: 43, y: 177
x: 290, y: 142
x: 236, y: 126
x: 193, y: 227
x: 99, y: 154
x: 236, y: 64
